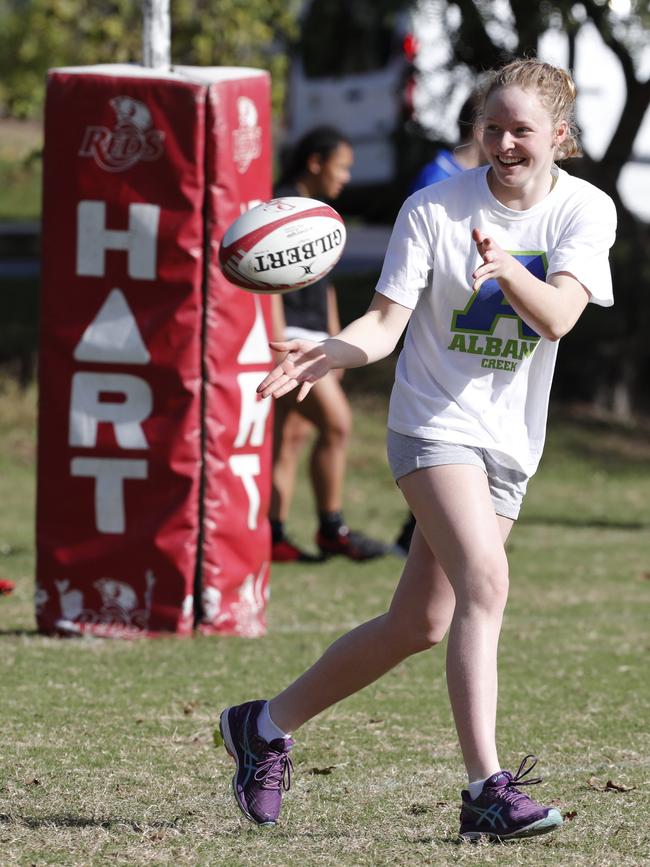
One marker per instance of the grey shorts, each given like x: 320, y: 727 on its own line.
x: 407, y: 454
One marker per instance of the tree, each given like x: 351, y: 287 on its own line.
x: 36, y: 35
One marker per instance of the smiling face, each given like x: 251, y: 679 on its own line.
x: 519, y: 141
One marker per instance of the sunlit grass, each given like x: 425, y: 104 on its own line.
x: 107, y: 754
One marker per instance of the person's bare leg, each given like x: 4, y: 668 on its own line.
x: 418, y: 618
x: 327, y: 408
x: 455, y: 513
x: 290, y: 433
x: 456, y: 516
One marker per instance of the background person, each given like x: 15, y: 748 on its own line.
x: 318, y: 168
x: 466, y: 428
x: 450, y: 161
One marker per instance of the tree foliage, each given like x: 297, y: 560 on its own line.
x: 36, y: 35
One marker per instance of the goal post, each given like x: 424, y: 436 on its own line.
x: 154, y: 451
x: 156, y: 34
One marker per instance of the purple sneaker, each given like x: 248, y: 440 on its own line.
x: 263, y: 769
x: 502, y: 812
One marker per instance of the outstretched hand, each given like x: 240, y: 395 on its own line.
x: 305, y: 363
x: 496, y: 262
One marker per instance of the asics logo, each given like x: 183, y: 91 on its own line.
x: 491, y: 815
x: 250, y: 759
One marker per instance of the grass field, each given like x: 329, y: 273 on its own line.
x: 107, y: 753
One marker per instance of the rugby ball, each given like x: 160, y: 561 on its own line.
x: 282, y: 245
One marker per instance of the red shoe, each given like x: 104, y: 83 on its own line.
x: 6, y: 587
x: 285, y: 551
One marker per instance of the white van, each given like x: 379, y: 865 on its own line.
x: 365, y: 101
x: 362, y: 69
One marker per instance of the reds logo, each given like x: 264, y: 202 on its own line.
x: 130, y: 140
x: 247, y: 138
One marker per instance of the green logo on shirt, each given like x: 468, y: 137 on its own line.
x: 474, y: 326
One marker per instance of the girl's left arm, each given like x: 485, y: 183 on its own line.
x: 552, y: 308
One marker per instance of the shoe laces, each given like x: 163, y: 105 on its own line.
x: 509, y: 792
x: 274, y: 770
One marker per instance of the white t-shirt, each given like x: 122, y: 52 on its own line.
x: 471, y: 371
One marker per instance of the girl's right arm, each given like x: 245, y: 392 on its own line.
x: 369, y: 338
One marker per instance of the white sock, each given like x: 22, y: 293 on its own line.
x: 266, y: 728
x: 475, y: 788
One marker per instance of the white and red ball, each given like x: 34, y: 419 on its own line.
x: 282, y: 245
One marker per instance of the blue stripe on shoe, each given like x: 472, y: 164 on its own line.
x: 250, y: 758
x: 490, y: 815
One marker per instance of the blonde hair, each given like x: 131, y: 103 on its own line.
x: 553, y: 86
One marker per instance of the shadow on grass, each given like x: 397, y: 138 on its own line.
x: 583, y: 523
x: 17, y: 633
x: 606, y: 442
x: 68, y: 821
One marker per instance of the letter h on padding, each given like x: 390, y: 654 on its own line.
x: 139, y: 240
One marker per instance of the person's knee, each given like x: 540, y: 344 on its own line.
x: 416, y: 632
x: 338, y: 427
x: 485, y: 584
x: 428, y: 634
x: 295, y: 437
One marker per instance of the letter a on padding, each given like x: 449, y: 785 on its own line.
x: 113, y: 335
x: 255, y: 349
